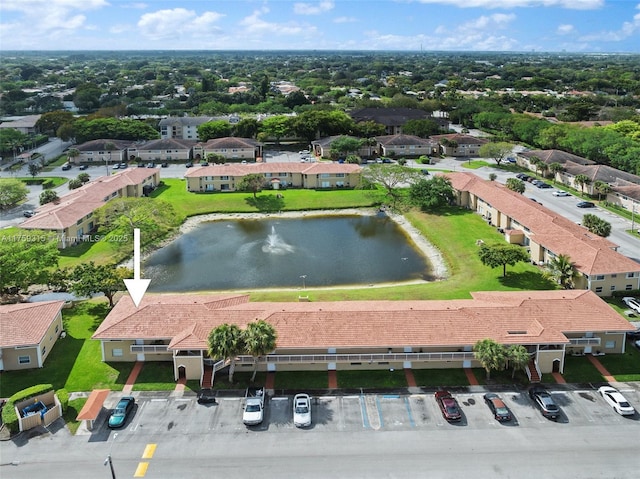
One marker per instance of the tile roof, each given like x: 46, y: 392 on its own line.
x: 84, y: 200
x: 229, y: 142
x: 25, y: 324
x: 591, y: 253
x: 402, y: 139
x: 508, y: 317
x: 233, y: 169
x: 101, y: 145
x: 556, y: 156
x: 460, y: 139
x: 167, y: 144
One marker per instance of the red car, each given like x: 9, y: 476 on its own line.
x: 448, y: 406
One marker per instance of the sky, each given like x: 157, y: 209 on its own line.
x: 404, y: 25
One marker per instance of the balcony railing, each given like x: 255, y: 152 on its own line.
x: 353, y: 358
x: 585, y: 341
x: 149, y: 348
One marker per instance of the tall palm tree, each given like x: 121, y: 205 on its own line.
x: 582, y: 180
x: 535, y: 162
x: 226, y: 342
x: 491, y: 355
x: 518, y: 357
x: 562, y: 270
x: 603, y: 188
x: 259, y: 339
x: 556, y: 168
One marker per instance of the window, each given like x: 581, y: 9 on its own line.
x: 57, y: 328
x: 599, y: 277
x: 339, y: 175
x: 44, y: 350
x: 628, y: 287
x: 613, y: 287
x: 631, y: 275
x: 610, y: 344
x: 599, y: 289
x: 116, y: 352
x: 24, y: 359
x: 224, y: 178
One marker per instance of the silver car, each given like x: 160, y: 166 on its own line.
x: 302, y: 410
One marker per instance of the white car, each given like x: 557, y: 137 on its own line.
x: 616, y: 400
x: 632, y: 303
x: 560, y: 193
x: 302, y: 410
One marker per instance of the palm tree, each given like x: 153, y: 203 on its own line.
x: 535, y: 162
x: 562, y: 270
x: 73, y: 153
x: 259, y: 339
x: 602, y: 188
x: 556, y: 168
x: 491, y: 355
x: 582, y: 180
x: 226, y: 342
x: 518, y: 357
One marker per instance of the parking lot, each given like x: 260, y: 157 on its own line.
x: 384, y: 412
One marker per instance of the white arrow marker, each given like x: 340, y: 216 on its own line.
x: 136, y: 286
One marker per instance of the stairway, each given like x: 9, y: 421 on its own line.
x: 535, y: 378
x: 207, y: 377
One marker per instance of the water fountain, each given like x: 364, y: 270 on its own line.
x: 275, y: 245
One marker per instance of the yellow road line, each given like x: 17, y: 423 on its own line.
x: 142, y: 469
x: 148, y: 451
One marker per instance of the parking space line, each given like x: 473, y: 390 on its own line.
x: 141, y: 470
x: 149, y: 451
x: 409, y: 412
x: 365, y: 417
x: 379, y: 411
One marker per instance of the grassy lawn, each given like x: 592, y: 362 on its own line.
x: 302, y: 380
x: 624, y: 367
x: 56, y: 180
x: 578, y: 369
x: 155, y: 376
x: 375, y: 378
x: 501, y: 377
x: 75, y: 361
x: 241, y: 380
x: 70, y: 415
x: 441, y: 377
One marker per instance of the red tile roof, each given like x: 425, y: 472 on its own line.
x: 25, y: 324
x: 273, y: 168
x: 508, y: 317
x: 591, y: 253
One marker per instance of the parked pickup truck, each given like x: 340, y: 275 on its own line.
x: 253, y: 406
x: 448, y: 406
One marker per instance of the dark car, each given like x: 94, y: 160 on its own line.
x: 28, y: 213
x: 121, y: 412
x: 206, y: 396
x: 543, y: 401
x: 498, y: 407
x: 543, y: 185
x: 448, y: 406
x: 83, y: 167
x: 165, y: 164
x: 585, y: 204
x: 66, y: 166
x: 188, y: 164
x: 204, y: 163
x: 123, y: 166
x: 634, y: 334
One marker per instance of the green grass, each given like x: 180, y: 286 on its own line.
x: 75, y: 362
x: 301, y: 380
x: 155, y: 376
x: 501, y: 377
x: 241, y: 380
x: 70, y: 415
x: 375, y: 378
x: 624, y: 367
x: 56, y: 180
x: 441, y: 377
x: 578, y: 369
x: 475, y: 164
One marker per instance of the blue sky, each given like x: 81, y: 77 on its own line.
x: 450, y: 25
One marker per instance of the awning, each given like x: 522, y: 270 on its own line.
x: 93, y: 406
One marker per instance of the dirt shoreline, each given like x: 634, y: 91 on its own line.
x: 433, y: 255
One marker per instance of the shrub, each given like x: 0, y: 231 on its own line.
x: 63, y: 397
x: 9, y: 416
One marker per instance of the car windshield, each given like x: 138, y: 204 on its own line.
x: 452, y: 410
x: 624, y: 404
x: 253, y: 408
x: 119, y: 412
x: 503, y: 411
x: 302, y: 409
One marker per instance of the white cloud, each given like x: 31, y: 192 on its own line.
x: 345, y: 20
x: 565, y: 29
x: 312, y: 9
x: 178, y: 23
x: 626, y: 30
x: 569, y: 4
x: 256, y: 26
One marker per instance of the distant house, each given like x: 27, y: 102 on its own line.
x: 358, y: 335
x: 102, y: 152
x: 277, y: 175
x: 182, y: 127
x: 29, y: 332
x: 546, y: 234
x: 405, y: 145
x: 25, y: 124
x: 576, y: 165
x: 322, y: 147
x: 72, y: 216
x: 169, y: 149
x: 459, y: 145
x: 394, y: 118
x: 231, y: 148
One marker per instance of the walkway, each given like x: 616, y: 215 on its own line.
x: 559, y: 378
x: 131, y: 380
x: 473, y: 381
x: 601, y: 369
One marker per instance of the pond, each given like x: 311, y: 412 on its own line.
x: 317, y: 251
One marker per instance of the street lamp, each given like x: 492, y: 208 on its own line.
x: 108, y: 459
x: 303, y: 277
